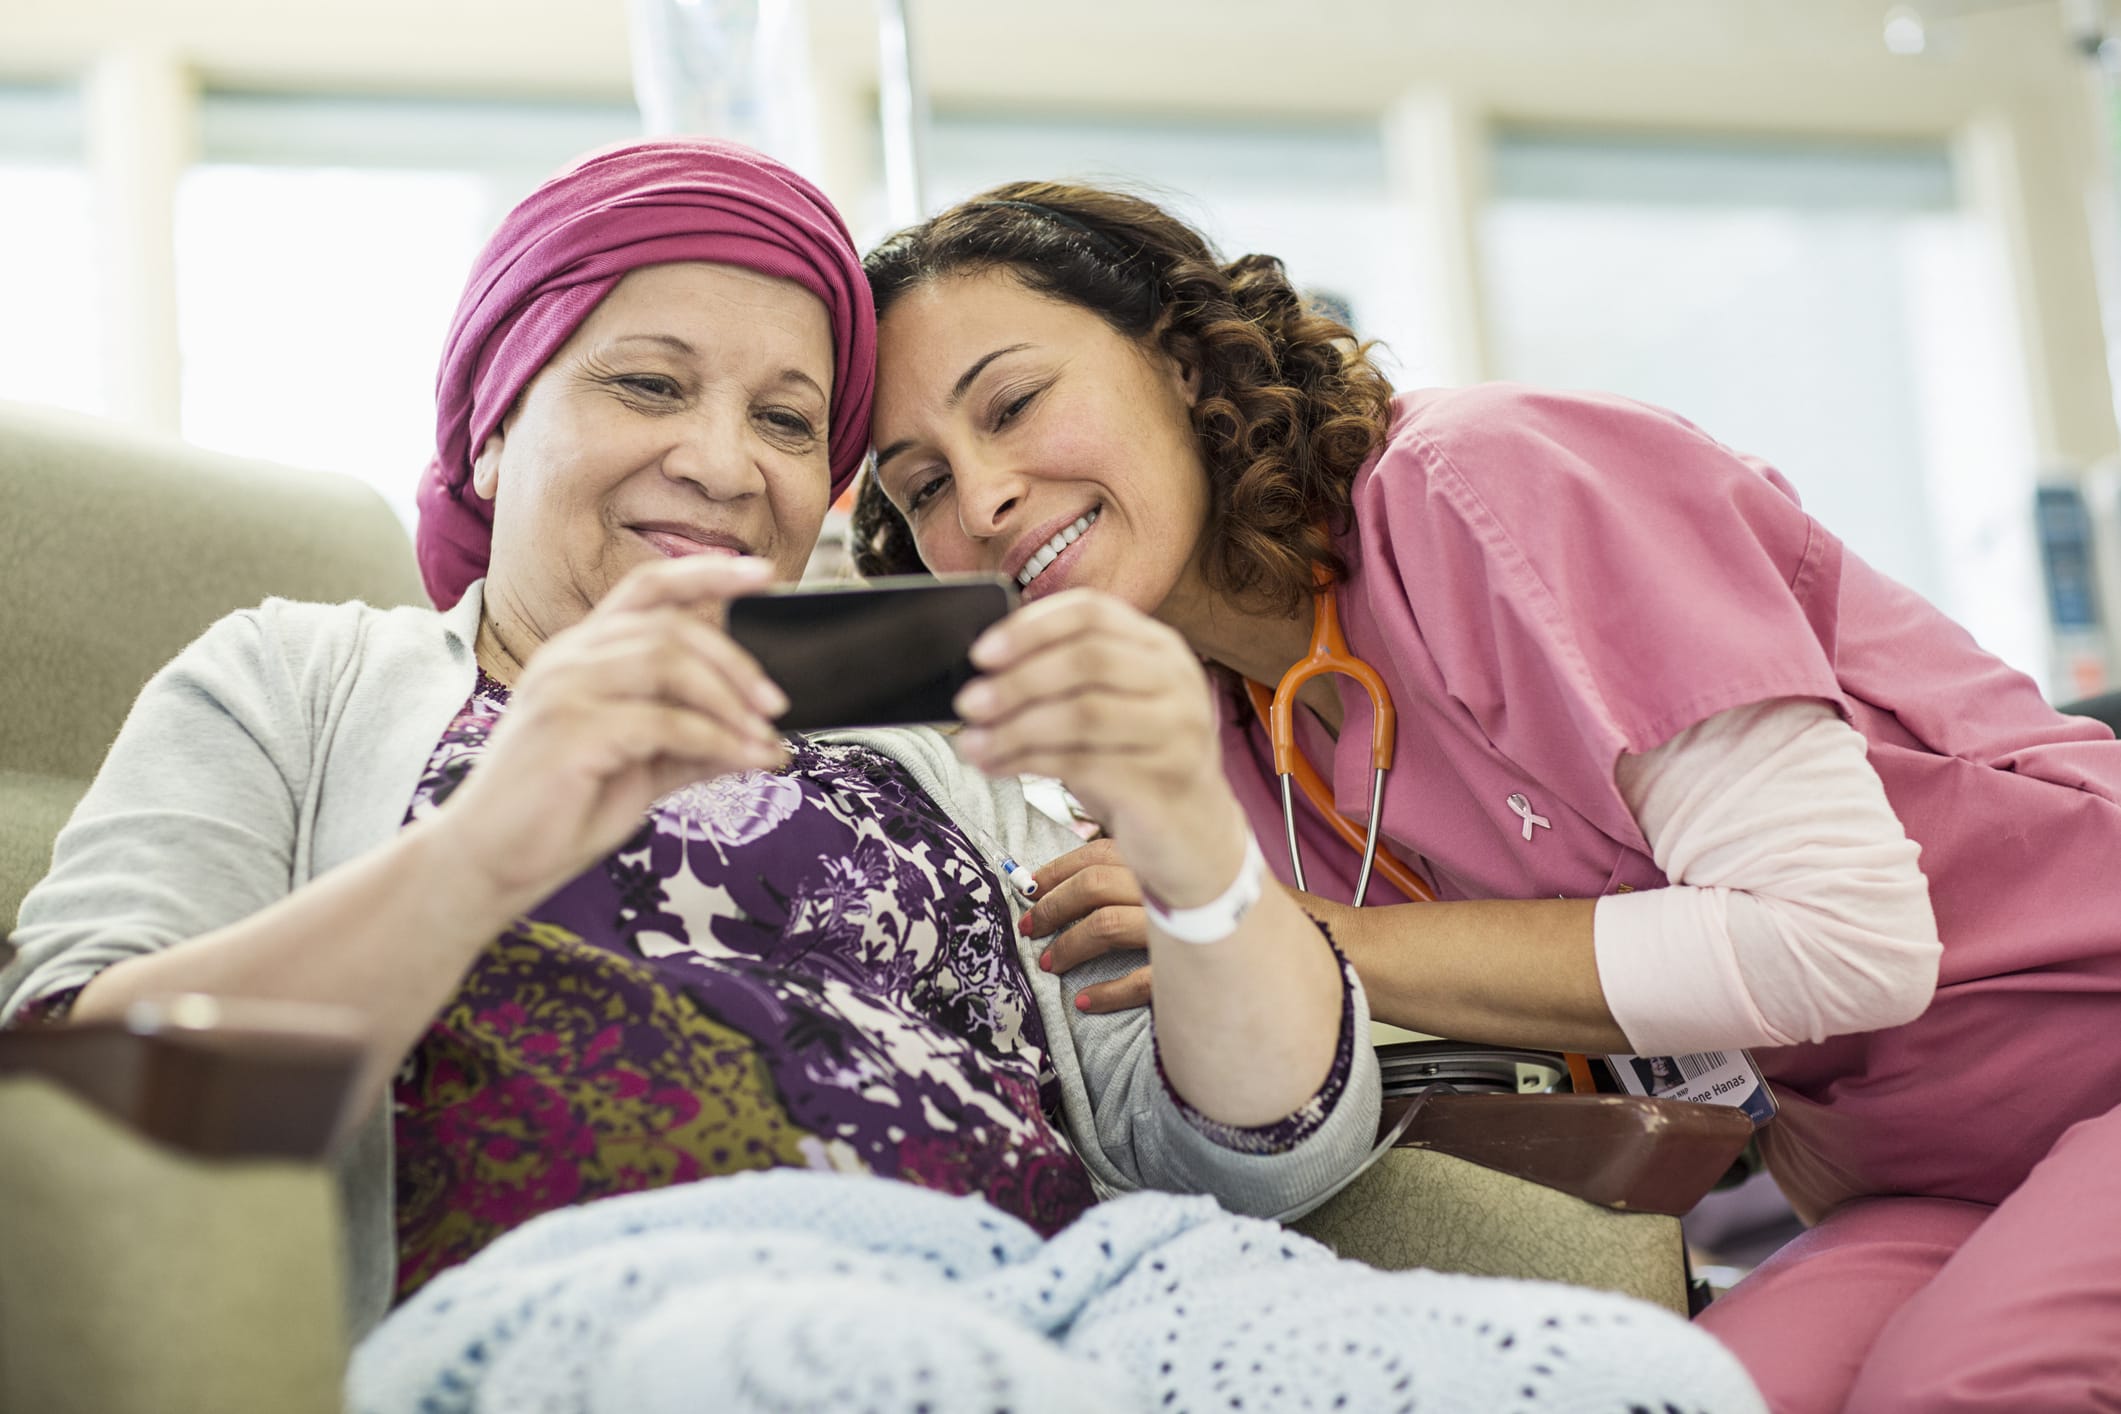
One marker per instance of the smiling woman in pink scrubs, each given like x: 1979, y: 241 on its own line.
x: 1684, y: 772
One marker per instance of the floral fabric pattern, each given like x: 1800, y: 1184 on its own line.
x: 810, y: 969
x: 51, y: 1009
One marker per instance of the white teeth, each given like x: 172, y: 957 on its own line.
x: 1050, y: 551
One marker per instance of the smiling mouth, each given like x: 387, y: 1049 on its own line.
x: 680, y: 541
x: 1047, y: 553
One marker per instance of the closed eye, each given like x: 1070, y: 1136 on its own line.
x: 1013, y: 408
x: 652, y: 385
x: 926, y: 491
x: 794, y: 424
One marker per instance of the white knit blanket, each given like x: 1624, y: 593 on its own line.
x: 789, y: 1290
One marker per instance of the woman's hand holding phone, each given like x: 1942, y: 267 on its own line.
x: 1082, y: 687
x: 644, y: 695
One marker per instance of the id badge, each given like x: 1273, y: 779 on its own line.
x: 1705, y: 1078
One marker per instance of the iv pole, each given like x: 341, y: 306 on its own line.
x: 902, y: 114
x: 741, y: 69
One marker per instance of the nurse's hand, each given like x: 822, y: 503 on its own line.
x: 1082, y: 687
x: 1092, y: 894
x: 1091, y: 900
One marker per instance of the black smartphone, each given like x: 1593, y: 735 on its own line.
x: 888, y: 652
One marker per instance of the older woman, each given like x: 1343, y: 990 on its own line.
x: 612, y: 933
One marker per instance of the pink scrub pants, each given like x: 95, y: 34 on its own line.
x: 1921, y: 1305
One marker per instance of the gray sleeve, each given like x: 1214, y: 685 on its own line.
x: 1113, y: 1087
x: 1150, y: 1142
x: 191, y: 823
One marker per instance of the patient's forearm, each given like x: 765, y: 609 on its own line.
x: 389, y: 936
x: 1247, y: 1027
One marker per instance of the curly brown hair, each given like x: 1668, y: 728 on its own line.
x: 1290, y: 404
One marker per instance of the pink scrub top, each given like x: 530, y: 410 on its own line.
x: 1549, y: 580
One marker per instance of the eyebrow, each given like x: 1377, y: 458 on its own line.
x: 957, y: 395
x: 677, y: 345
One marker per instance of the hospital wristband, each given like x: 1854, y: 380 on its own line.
x: 1220, y: 916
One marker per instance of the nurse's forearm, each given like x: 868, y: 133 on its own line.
x: 1505, y: 971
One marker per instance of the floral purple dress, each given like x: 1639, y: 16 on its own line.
x: 813, y: 969
x: 808, y: 969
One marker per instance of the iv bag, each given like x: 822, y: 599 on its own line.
x: 737, y: 69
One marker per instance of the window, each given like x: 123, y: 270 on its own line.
x: 1317, y: 196
x: 1834, y: 311
x: 50, y: 296
x: 321, y: 247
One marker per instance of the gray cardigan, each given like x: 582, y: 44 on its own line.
x: 288, y: 739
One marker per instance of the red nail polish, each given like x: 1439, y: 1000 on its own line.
x: 1082, y: 1003
x: 1045, y: 960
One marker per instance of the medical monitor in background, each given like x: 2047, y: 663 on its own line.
x: 2069, y: 560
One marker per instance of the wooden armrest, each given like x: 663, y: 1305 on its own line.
x: 214, y: 1077
x: 1628, y: 1152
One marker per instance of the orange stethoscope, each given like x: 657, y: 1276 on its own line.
x: 1328, y: 655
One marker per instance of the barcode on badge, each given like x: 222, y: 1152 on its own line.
x: 1695, y: 1066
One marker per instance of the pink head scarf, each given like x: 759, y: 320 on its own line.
x: 564, y: 248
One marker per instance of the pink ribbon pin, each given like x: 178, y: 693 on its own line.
x: 1523, y: 808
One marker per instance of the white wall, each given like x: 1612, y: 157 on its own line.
x: 1998, y: 79
x: 1998, y: 84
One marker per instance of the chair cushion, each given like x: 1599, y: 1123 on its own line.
x: 140, y: 1280
x: 1418, y: 1208
x: 118, y: 549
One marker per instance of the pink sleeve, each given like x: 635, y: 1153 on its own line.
x: 1591, y: 576
x: 1797, y: 910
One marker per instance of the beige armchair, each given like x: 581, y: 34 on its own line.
x: 166, y: 1206
x: 169, y: 1223
x: 116, y: 550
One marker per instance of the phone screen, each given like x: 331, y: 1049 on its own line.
x: 889, y: 652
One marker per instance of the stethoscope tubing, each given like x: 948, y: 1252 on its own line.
x: 1369, y: 843
x: 1329, y: 654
